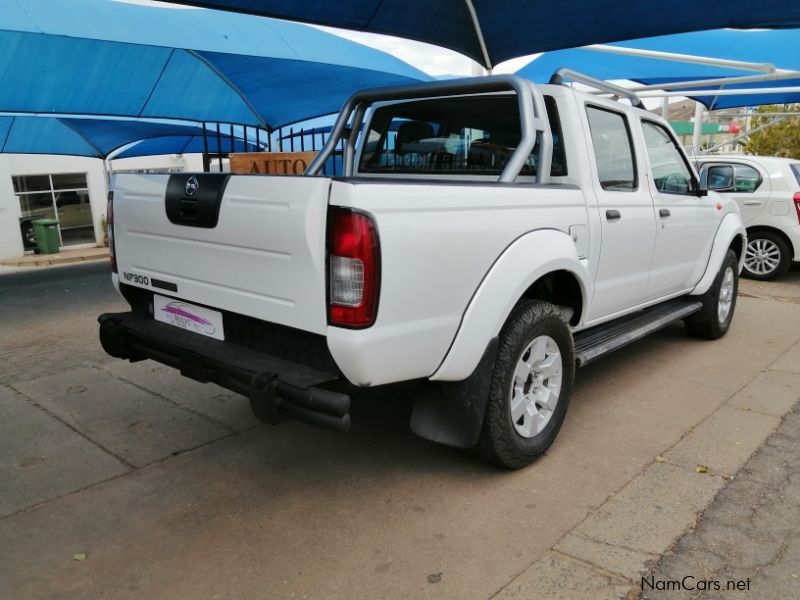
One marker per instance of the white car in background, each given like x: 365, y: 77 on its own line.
x: 767, y: 190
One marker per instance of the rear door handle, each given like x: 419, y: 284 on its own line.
x: 613, y: 215
x: 664, y: 213
x: 753, y: 203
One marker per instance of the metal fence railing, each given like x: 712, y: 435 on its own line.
x: 220, y: 140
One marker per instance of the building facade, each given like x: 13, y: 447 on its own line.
x: 70, y: 189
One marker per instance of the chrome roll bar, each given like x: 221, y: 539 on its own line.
x: 533, y: 119
x: 559, y: 76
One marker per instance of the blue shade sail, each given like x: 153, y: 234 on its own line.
x: 42, y: 135
x: 101, y: 57
x: 513, y: 28
x: 98, y: 138
x: 766, y: 46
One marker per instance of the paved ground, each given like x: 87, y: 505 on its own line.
x: 748, y: 539
x: 171, y: 489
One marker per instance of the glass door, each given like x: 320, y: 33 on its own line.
x: 74, y: 213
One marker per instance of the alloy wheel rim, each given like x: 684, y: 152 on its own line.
x: 536, y: 386
x: 762, y: 256
x: 725, y: 295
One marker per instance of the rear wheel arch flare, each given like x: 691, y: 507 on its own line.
x: 561, y: 288
x: 737, y: 245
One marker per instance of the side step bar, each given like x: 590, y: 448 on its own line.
x: 593, y: 343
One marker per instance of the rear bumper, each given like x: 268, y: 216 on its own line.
x: 287, y: 388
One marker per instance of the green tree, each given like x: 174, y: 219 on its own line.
x: 781, y: 139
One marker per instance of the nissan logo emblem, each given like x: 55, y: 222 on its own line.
x: 192, y: 185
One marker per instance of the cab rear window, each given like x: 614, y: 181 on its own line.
x: 466, y: 135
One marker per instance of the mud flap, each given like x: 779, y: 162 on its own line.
x: 451, y: 413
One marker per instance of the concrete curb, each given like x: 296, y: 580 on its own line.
x: 46, y: 260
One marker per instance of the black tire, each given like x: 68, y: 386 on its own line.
x: 500, y: 441
x: 784, y: 259
x: 706, y: 323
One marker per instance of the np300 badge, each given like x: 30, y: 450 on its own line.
x: 134, y: 278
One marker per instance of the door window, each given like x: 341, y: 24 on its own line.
x: 745, y: 179
x: 613, y: 149
x: 671, y: 174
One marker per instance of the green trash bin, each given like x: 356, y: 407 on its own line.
x: 47, y: 241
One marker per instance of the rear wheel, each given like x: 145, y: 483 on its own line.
x: 719, y: 302
x: 767, y: 256
x: 531, y: 385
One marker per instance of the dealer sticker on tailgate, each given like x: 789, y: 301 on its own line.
x: 188, y: 316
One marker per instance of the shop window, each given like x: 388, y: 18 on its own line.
x: 64, y: 197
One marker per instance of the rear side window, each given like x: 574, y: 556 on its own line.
x: 796, y: 171
x: 746, y: 179
x: 476, y: 135
x: 613, y: 149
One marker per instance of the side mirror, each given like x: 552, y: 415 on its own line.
x: 719, y: 178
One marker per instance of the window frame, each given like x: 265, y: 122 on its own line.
x: 694, y: 176
x: 629, y: 130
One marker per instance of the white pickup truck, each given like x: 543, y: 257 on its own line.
x: 487, y: 236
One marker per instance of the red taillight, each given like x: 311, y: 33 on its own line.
x: 797, y: 205
x: 112, y: 253
x: 353, y: 269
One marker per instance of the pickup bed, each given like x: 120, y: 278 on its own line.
x: 488, y: 236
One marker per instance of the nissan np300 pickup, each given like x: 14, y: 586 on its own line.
x: 488, y: 236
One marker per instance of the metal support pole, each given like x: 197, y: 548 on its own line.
x: 206, y: 161
x: 779, y: 75
x: 686, y: 58
x: 721, y: 92
x: 665, y: 108
x: 699, y: 111
x: 219, y: 148
x: 476, y: 25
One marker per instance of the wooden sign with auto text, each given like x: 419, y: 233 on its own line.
x: 271, y: 163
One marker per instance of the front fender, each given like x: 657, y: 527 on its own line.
x: 526, y: 260
x: 730, y: 227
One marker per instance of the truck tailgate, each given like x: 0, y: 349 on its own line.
x: 263, y: 257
